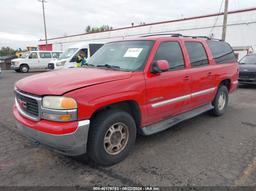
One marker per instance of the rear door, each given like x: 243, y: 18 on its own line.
x: 168, y: 92
x: 45, y: 58
x: 202, y: 78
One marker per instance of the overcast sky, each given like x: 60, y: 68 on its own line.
x: 22, y: 23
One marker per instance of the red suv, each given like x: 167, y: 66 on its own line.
x: 143, y: 85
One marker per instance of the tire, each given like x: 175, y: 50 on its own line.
x: 50, y: 66
x: 220, y: 101
x: 24, y: 68
x: 17, y: 70
x: 110, y: 125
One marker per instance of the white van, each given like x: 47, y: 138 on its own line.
x: 69, y: 57
x: 34, y: 60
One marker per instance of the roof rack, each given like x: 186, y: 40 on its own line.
x: 161, y: 34
x: 180, y: 35
x: 206, y: 37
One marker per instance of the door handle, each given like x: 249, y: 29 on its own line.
x: 209, y: 73
x: 186, y: 78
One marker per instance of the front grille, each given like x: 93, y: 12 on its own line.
x: 247, y: 75
x: 27, y: 104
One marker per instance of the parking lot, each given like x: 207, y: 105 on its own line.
x: 204, y: 151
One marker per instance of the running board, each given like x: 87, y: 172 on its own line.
x: 163, y: 125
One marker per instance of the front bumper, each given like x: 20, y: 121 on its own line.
x: 72, y: 144
x: 13, y: 67
x: 246, y: 81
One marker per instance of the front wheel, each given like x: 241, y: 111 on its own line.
x: 220, y: 101
x: 24, y: 68
x: 112, y: 136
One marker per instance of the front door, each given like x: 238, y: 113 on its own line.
x: 168, y: 92
x: 33, y: 61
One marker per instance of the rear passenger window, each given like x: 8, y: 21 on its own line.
x: 45, y: 55
x: 56, y: 54
x: 171, y: 52
x: 197, y: 54
x: 222, y: 52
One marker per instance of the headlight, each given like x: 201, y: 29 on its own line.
x: 61, y: 63
x: 58, y: 108
x: 58, y: 102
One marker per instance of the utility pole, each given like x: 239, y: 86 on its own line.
x: 225, y: 20
x: 45, y: 32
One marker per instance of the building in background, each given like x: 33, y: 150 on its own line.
x: 241, y: 29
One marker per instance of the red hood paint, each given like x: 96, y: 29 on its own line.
x: 62, y: 81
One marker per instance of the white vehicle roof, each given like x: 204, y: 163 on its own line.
x: 43, y: 51
x: 84, y: 44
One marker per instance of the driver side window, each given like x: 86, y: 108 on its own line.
x: 171, y: 52
x: 33, y: 55
x: 83, y: 52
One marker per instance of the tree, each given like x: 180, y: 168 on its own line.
x: 102, y: 28
x: 88, y: 29
x: 7, y: 51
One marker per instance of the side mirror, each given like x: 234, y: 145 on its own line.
x: 160, y: 66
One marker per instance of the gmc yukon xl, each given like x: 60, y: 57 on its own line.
x: 137, y: 86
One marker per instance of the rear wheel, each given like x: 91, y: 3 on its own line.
x: 24, y: 68
x: 51, y: 66
x: 220, y: 101
x: 112, y: 136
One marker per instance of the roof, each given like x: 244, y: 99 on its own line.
x: 173, y: 36
x: 84, y: 44
x: 157, y: 23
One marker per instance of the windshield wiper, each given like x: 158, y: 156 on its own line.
x: 88, y: 65
x: 109, y: 66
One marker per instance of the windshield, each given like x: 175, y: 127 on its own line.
x: 68, y: 53
x: 250, y: 59
x: 25, y: 55
x: 125, y: 55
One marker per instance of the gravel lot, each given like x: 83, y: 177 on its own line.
x: 202, y: 151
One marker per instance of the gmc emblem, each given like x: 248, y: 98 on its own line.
x: 22, y: 103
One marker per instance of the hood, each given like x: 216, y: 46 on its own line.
x: 58, y: 61
x: 247, y: 68
x: 62, y: 81
x: 17, y: 60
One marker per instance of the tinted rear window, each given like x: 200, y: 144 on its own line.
x: 197, y: 54
x: 222, y: 52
